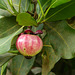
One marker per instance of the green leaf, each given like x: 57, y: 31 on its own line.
x: 58, y: 2
x: 8, y: 29
x: 40, y: 27
x: 0, y: 70
x: 4, y: 13
x: 49, y: 57
x: 7, y: 32
x: 20, y: 65
x: 5, y: 43
x: 50, y: 3
x: 40, y: 7
x: 3, y: 69
x: 8, y: 25
x: 25, y: 5
x: 54, y: 3
x: 3, y: 5
x: 5, y: 57
x: 61, y: 37
x: 31, y: 7
x: 26, y: 19
x: 44, y: 4
x: 61, y: 12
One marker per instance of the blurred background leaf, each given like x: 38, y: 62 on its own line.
x: 49, y: 58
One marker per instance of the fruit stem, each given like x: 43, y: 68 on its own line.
x: 16, y: 51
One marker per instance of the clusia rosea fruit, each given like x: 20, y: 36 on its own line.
x: 28, y: 44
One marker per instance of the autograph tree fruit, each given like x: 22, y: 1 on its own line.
x: 29, y: 45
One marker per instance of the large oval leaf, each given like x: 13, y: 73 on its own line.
x: 5, y: 43
x: 20, y: 65
x: 8, y: 29
x: 61, y: 37
x: 8, y: 25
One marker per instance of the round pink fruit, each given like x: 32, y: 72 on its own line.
x: 29, y: 45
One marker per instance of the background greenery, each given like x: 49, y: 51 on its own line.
x: 56, y: 18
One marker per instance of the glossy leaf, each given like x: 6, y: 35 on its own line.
x: 25, y: 5
x: 61, y: 12
x: 55, y: 3
x: 20, y: 65
x: 62, y: 37
x: 49, y: 57
x: 3, y: 5
x: 26, y: 19
x: 5, y: 43
x: 8, y: 26
x: 50, y: 3
x: 8, y: 29
x: 4, y: 13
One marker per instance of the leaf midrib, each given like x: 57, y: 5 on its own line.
x: 59, y: 35
x: 11, y: 36
x: 57, y: 12
x: 8, y: 29
x: 3, y: 6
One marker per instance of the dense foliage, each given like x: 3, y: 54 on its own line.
x: 56, y: 18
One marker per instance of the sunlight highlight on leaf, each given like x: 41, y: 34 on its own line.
x: 5, y: 43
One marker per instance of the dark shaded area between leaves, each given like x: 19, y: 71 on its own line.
x: 65, y: 67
